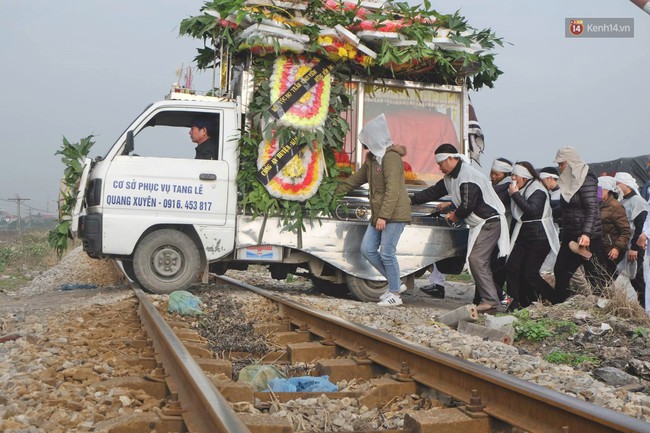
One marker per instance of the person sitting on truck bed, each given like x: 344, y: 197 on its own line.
x: 202, y: 132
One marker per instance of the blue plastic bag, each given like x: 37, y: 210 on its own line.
x: 77, y: 286
x: 303, y: 384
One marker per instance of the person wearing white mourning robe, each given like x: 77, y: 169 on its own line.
x: 636, y: 210
x: 480, y: 208
x: 643, y: 243
x: 500, y: 179
x: 533, y: 236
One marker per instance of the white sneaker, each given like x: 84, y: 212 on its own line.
x: 391, y: 300
x: 402, y: 289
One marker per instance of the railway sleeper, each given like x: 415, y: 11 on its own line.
x: 302, y: 346
x: 141, y: 422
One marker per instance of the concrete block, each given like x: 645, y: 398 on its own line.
x: 289, y: 337
x: 188, y: 335
x: 139, y: 422
x: 198, y: 350
x: 466, y: 313
x: 269, y: 328
x: 384, y: 390
x: 345, y: 369
x: 178, y: 324
x: 448, y: 420
x: 276, y: 356
x: 235, y: 391
x: 148, y: 363
x: 499, y: 322
x: 153, y: 388
x: 307, y: 352
x: 264, y: 423
x: 215, y: 366
x: 487, y: 333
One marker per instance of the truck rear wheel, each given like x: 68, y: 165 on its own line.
x: 370, y: 291
x: 165, y: 261
x: 366, y: 290
x: 330, y: 288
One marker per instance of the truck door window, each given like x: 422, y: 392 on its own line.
x: 168, y: 136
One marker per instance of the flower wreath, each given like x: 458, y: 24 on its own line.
x: 300, y: 178
x: 338, y: 50
x: 266, y: 45
x: 310, y: 111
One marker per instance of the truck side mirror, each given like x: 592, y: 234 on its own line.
x: 128, y: 146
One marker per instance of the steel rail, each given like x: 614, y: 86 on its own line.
x: 519, y: 403
x: 205, y: 410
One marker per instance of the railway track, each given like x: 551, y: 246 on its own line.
x: 477, y: 399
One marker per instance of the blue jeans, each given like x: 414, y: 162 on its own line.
x: 380, y: 249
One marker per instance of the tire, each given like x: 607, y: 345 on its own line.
x: 165, y: 261
x: 329, y: 288
x: 366, y: 290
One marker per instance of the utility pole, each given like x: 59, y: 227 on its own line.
x: 18, y: 201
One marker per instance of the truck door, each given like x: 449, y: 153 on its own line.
x: 156, y: 180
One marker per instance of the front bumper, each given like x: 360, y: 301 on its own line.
x: 90, y: 233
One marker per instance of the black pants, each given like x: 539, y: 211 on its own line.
x: 567, y: 262
x: 638, y: 282
x: 525, y: 283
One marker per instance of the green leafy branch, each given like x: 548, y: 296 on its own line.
x: 73, y: 156
x: 422, y: 24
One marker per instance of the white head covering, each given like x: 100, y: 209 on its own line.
x: 627, y: 179
x: 521, y: 171
x: 573, y: 176
x: 546, y: 174
x: 501, y: 166
x: 376, y: 136
x: 608, y: 183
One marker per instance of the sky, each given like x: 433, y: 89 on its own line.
x: 75, y: 68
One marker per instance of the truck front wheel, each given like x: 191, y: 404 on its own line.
x: 165, y: 261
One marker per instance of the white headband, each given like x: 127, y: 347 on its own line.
x: 501, y: 166
x: 544, y: 175
x: 521, y: 171
x: 442, y: 156
x: 607, y: 182
x: 627, y: 179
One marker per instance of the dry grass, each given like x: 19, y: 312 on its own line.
x: 619, y: 304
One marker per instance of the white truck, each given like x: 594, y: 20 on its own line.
x: 170, y: 219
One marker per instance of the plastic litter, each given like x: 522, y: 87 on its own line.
x: 184, y: 303
x: 259, y: 375
x: 77, y: 286
x: 303, y: 384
